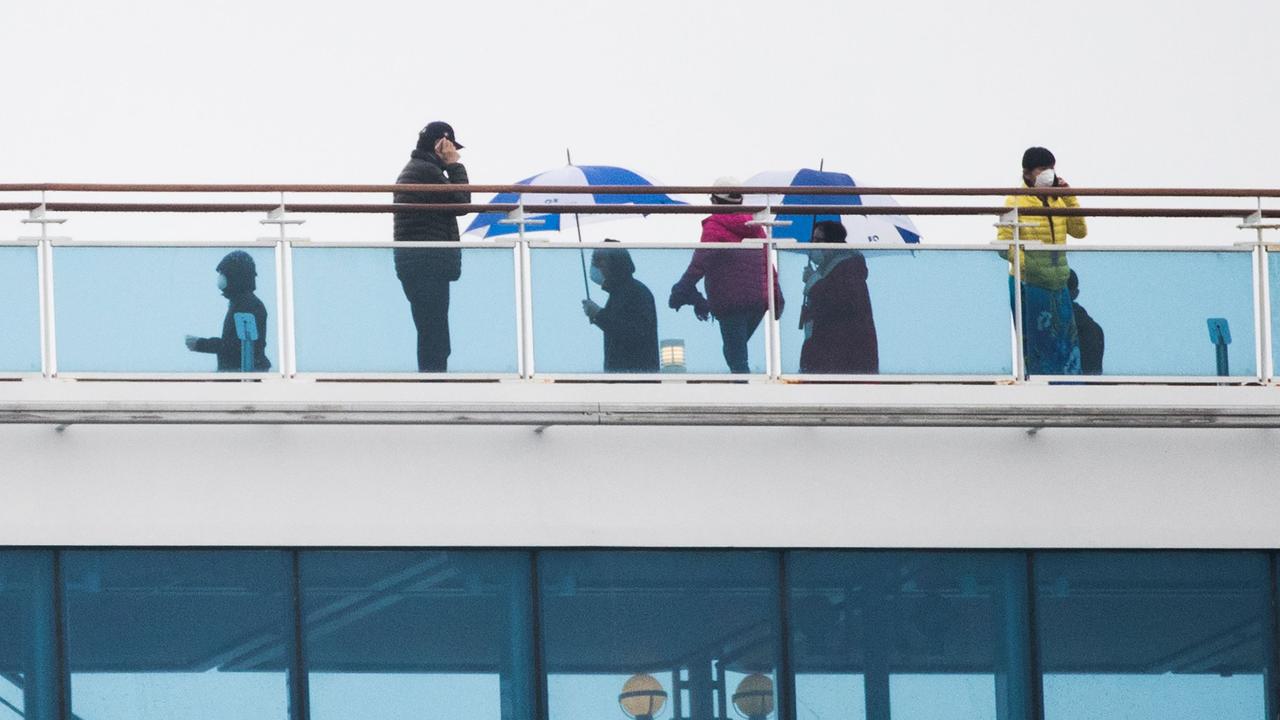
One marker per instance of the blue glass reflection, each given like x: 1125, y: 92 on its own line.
x: 909, y: 635
x: 20, y: 321
x: 175, y: 635
x: 1156, y: 636
x: 28, y: 641
x: 567, y: 342
x: 1152, y: 308
x: 401, y: 634
x: 703, y: 625
x: 936, y: 312
x: 351, y: 315
x: 128, y: 309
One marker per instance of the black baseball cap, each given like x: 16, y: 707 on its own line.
x: 436, y: 130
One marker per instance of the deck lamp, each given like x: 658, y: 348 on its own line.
x: 642, y: 697
x: 754, y: 697
x: 671, y: 354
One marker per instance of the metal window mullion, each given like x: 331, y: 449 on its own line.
x: 298, y: 683
x: 786, y: 680
x: 1035, y: 686
x: 540, y: 705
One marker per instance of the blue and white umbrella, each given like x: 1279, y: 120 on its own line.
x: 888, y: 229
x: 584, y: 175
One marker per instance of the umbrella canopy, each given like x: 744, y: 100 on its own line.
x: 584, y: 175
x: 889, y: 229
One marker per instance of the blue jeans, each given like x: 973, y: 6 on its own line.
x: 736, y: 329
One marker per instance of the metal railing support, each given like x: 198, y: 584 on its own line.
x: 1262, y: 291
x: 44, y: 264
x: 286, y: 339
x: 1012, y: 221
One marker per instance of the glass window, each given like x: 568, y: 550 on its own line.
x: 177, y: 635
x: 679, y: 635
x: 894, y: 312
x: 408, y: 635
x: 1158, y: 636
x: 631, y: 335
x: 1144, y: 313
x: 28, y: 665
x: 351, y: 313
x: 20, y: 322
x: 130, y: 309
x: 912, y: 635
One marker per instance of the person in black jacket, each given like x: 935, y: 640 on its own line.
x: 425, y: 273
x: 236, y: 273
x: 1092, y: 340
x: 628, y: 318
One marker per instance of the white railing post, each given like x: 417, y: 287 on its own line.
x: 285, y: 337
x: 44, y: 264
x: 1012, y: 221
x: 1261, y: 292
x: 524, y: 290
x: 772, y: 326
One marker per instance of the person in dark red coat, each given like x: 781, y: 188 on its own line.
x: 736, y: 281
x: 839, y: 329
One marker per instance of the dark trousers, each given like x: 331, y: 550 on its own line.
x: 429, y: 303
x: 736, y: 328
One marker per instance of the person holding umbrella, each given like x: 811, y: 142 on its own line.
x: 736, y: 282
x: 628, y: 319
x: 1050, y: 340
x: 839, y: 329
x: 425, y: 273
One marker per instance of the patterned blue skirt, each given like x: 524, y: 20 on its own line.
x: 1049, y: 340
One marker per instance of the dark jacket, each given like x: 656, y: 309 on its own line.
x: 239, y: 269
x: 736, y: 280
x: 843, y: 337
x: 425, y: 167
x: 1092, y: 341
x: 628, y: 318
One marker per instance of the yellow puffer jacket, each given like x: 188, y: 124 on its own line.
x: 1046, y: 269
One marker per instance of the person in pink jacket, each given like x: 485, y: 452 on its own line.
x: 736, y: 281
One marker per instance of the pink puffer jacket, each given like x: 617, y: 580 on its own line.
x: 735, y: 279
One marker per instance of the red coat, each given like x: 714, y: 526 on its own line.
x: 736, y: 280
x: 844, y: 332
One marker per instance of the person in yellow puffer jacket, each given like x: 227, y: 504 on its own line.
x: 1050, y: 341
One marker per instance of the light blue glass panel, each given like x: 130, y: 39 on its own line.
x: 1153, y: 309
x: 28, y: 666
x: 351, y: 314
x: 20, y: 321
x: 177, y: 635
x: 406, y: 634
x: 909, y: 635
x: 566, y: 342
x: 128, y: 310
x: 936, y: 312
x: 1153, y: 636
x: 699, y: 623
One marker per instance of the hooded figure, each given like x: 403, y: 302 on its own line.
x: 839, y: 329
x: 236, y: 278
x: 628, y: 319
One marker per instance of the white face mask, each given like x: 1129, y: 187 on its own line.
x: 1046, y: 178
x: 597, y: 277
x: 222, y: 281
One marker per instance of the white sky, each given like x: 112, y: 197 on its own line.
x: 923, y: 92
